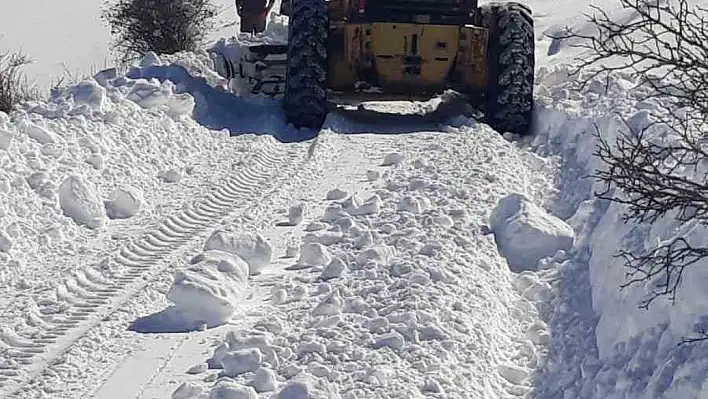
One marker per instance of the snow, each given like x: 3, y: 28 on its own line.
x: 625, y: 351
x: 313, y: 254
x: 444, y: 261
x: 336, y: 194
x: 227, y: 390
x: 250, y: 247
x: 125, y: 202
x: 264, y: 380
x: 79, y: 201
x: 525, y: 233
x: 347, y: 293
x: 393, y: 158
x: 241, y: 361
x: 296, y: 213
x: 187, y: 390
x: 210, y: 289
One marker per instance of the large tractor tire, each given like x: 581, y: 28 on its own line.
x: 510, y: 51
x: 305, y: 97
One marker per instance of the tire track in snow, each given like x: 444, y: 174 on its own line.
x: 78, y: 377
x: 88, y: 297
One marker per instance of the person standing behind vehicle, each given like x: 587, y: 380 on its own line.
x: 253, y: 14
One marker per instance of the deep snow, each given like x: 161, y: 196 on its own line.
x: 624, y: 351
x: 445, y: 262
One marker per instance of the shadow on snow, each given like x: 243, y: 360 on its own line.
x: 217, y: 109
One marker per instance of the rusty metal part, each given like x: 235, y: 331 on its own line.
x: 472, y: 57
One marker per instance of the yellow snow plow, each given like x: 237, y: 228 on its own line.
x: 345, y: 51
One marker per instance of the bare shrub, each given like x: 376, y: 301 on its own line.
x: 14, y: 86
x: 161, y: 26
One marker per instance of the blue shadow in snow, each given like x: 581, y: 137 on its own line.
x: 217, y: 109
x: 450, y: 112
x: 170, y: 320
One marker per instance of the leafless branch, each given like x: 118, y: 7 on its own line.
x: 659, y: 169
x: 14, y: 86
x: 162, y: 26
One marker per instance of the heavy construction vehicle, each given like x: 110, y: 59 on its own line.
x: 339, y: 51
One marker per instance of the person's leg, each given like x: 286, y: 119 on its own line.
x: 247, y: 23
x: 259, y: 24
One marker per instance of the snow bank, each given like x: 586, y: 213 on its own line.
x: 623, y: 351
x: 81, y: 171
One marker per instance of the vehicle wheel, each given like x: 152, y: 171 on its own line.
x: 510, y: 53
x: 305, y: 97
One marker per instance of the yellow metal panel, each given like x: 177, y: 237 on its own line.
x: 436, y: 45
x: 437, y: 60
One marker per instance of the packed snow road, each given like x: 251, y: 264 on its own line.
x: 148, y: 255
x: 382, y: 282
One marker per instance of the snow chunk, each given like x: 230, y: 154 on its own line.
x: 264, y: 380
x: 170, y: 176
x: 230, y: 390
x: 380, y: 254
x: 5, y: 242
x: 198, y: 368
x: 150, y: 59
x: 513, y: 373
x: 370, y: 206
x: 372, y: 175
x: 313, y: 254
x: 525, y: 233
x: 188, y: 390
x: 79, y: 201
x: 39, y: 134
x: 330, y: 305
x: 393, y: 340
x: 296, y: 214
x: 640, y: 121
x: 241, y: 361
x: 305, y: 386
x: 180, y: 105
x: 333, y: 212
x: 393, y: 158
x: 291, y: 250
x: 37, y: 179
x: 149, y: 94
x: 6, y: 139
x: 324, y: 238
x: 432, y: 386
x: 125, y: 202
x: 351, y: 204
x: 251, y: 247
x: 336, y: 194
x: 209, y: 290
x: 414, y: 204
x: 89, y: 93
x: 335, y: 268
x: 315, y: 225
